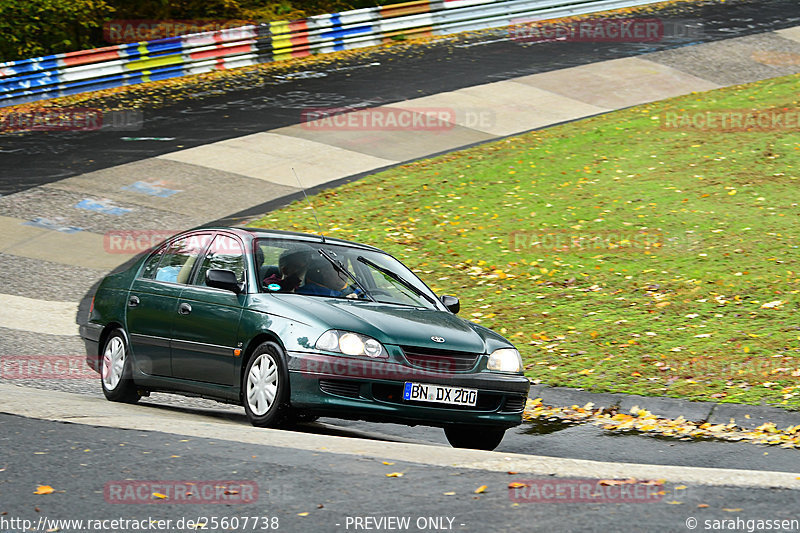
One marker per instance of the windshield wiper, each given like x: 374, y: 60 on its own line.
x: 341, y: 268
x: 397, y: 278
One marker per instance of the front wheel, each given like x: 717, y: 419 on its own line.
x: 476, y: 437
x: 115, y: 371
x: 265, y: 386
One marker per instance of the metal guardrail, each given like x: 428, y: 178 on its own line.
x: 41, y: 78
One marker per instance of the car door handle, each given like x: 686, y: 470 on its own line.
x: 133, y: 301
x: 184, y: 309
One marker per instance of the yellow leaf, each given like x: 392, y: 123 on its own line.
x: 613, y: 482
x: 159, y: 496
x: 480, y: 489
x: 515, y: 484
x: 736, y: 510
x: 680, y: 487
x: 674, y: 502
x: 395, y: 474
x: 44, y: 489
x: 702, y: 505
x: 449, y: 493
x: 302, y: 514
x: 387, y: 463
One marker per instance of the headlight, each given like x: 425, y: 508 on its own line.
x: 505, y: 360
x: 349, y: 343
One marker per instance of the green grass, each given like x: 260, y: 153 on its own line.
x: 704, y: 230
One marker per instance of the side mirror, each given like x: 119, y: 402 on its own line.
x: 452, y: 303
x: 223, y: 279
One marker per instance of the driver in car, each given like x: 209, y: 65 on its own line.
x: 322, y: 279
x: 292, y: 264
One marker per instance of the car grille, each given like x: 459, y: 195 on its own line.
x: 351, y: 389
x: 440, y: 360
x: 515, y: 404
x: 392, y: 393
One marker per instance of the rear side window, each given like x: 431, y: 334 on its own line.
x: 151, y: 265
x: 175, y: 262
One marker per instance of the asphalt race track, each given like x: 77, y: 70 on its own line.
x: 249, y: 104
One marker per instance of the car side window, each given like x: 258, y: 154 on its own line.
x: 151, y: 265
x: 226, y: 253
x: 178, y: 259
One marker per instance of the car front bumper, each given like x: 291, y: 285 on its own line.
x: 372, y: 390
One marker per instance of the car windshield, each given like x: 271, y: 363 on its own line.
x: 336, y: 271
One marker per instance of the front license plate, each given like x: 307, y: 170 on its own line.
x: 424, y: 392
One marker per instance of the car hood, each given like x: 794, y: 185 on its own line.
x: 400, y: 325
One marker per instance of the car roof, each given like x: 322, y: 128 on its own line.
x: 292, y: 235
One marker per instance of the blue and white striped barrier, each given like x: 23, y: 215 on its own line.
x: 41, y: 78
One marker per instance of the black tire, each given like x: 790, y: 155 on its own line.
x: 476, y: 437
x: 263, y: 411
x: 115, y: 370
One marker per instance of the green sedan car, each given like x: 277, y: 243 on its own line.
x: 295, y: 326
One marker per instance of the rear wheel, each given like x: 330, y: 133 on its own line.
x: 265, y: 386
x: 115, y: 370
x: 476, y: 437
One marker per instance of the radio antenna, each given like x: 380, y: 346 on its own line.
x: 313, y: 211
